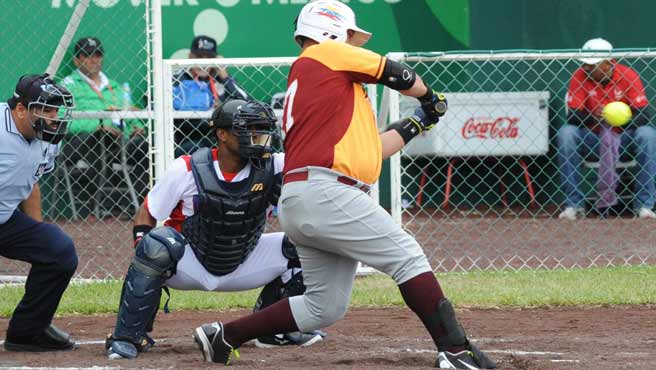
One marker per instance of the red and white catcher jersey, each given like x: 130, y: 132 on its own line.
x: 172, y: 198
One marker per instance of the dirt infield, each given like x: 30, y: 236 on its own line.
x: 540, y: 339
x: 454, y: 240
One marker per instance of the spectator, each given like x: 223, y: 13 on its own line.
x: 198, y: 89
x: 597, y: 82
x: 94, y: 91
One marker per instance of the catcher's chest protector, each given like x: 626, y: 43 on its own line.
x: 229, y: 218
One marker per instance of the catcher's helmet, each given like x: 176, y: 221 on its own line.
x: 39, y: 93
x: 328, y: 20
x: 252, y: 122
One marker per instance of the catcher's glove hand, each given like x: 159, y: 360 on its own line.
x: 434, y: 105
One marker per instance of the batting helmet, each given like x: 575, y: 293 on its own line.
x: 39, y: 93
x: 252, y: 122
x: 328, y: 20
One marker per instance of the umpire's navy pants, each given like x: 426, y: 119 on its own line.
x: 52, y: 255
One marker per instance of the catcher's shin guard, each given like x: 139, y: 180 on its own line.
x: 276, y: 290
x: 156, y: 257
x: 289, y: 251
x: 270, y: 294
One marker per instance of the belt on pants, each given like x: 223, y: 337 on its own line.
x: 304, y: 175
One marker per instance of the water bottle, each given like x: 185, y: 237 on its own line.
x: 126, y: 96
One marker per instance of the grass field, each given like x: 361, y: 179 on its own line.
x: 520, y: 289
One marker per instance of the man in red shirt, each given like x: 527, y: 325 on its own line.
x: 597, y: 82
x: 333, y: 152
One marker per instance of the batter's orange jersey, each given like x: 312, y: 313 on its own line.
x: 327, y: 117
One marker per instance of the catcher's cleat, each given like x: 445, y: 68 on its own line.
x: 210, y: 340
x: 472, y: 358
x: 52, y: 339
x: 290, y: 339
x: 119, y: 348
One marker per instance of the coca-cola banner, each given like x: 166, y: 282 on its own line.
x: 485, y: 124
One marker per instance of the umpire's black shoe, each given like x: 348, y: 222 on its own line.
x: 52, y: 339
x: 210, y: 340
x: 471, y: 358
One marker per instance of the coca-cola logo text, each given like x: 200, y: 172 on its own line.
x: 491, y: 128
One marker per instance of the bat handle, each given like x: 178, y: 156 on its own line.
x: 440, y: 107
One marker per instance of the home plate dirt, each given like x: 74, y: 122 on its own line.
x: 579, y: 338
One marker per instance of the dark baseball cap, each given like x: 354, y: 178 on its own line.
x: 40, y: 88
x: 204, y: 46
x: 88, y: 46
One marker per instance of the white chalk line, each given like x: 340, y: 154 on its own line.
x: 521, y: 353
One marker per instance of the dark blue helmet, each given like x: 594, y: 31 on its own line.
x: 253, y: 122
x: 39, y: 93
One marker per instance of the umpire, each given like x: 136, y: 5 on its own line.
x: 32, y: 123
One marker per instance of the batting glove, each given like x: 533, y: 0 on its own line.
x: 412, y: 126
x: 434, y: 105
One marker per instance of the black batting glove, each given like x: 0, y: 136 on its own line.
x: 434, y: 105
x: 412, y: 126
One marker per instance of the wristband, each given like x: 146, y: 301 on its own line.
x: 428, y: 97
x: 408, y: 128
x: 139, y: 231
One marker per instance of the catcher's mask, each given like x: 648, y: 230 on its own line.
x: 41, y: 95
x: 252, y: 122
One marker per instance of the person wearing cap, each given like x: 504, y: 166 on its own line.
x: 333, y: 153
x: 34, y: 121
x: 199, y: 89
x: 601, y: 80
x: 94, y: 91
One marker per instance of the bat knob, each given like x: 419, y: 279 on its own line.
x: 440, y: 107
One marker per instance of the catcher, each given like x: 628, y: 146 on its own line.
x: 214, y: 203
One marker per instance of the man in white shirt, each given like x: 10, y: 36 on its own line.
x: 213, y: 204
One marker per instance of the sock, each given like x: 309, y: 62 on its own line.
x: 421, y: 294
x: 272, y: 320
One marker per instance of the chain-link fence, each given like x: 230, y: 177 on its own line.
x: 490, y: 186
x: 193, y: 88
x: 103, y: 169
x: 482, y: 190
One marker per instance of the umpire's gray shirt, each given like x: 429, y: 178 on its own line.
x: 22, y: 162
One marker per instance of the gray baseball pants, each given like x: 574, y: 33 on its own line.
x: 334, y: 226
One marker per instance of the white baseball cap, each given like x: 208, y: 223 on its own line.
x: 598, y: 45
x: 329, y: 20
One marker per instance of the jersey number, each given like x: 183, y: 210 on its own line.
x: 288, y: 104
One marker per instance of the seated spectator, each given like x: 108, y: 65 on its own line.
x: 198, y: 89
x: 94, y: 91
x: 597, y: 82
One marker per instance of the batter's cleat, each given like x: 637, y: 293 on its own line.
x: 290, y: 339
x: 471, y: 358
x: 460, y: 360
x: 211, y: 342
x: 52, y: 339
